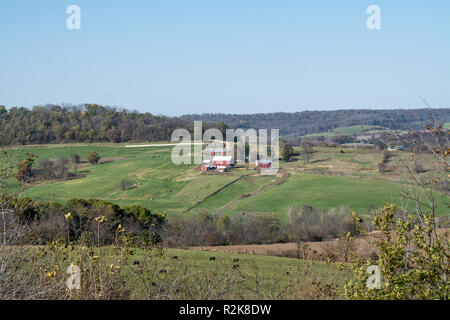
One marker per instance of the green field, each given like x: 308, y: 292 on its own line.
x: 319, y: 191
x: 348, y: 131
x: 290, y: 278
x: 161, y: 273
x: 161, y: 185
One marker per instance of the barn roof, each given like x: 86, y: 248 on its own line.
x: 218, y: 149
x: 222, y: 158
x: 216, y: 145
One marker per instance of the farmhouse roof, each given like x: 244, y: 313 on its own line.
x: 219, y: 149
x: 222, y: 158
x: 216, y: 145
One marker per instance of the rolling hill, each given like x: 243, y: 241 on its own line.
x: 161, y: 185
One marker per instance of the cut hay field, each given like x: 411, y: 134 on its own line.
x: 161, y: 185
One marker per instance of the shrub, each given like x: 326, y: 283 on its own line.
x: 74, y: 158
x: 312, y: 224
x: 46, y: 222
x: 93, y: 158
x: 125, y: 184
x: 381, y: 167
x: 413, y: 260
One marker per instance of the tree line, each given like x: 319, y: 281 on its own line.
x: 309, y: 122
x: 95, y: 123
x: 76, y: 221
x: 84, y: 123
x: 51, y: 169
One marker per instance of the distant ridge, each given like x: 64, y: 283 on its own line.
x: 309, y: 122
x: 95, y: 123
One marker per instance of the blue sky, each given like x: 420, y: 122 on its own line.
x: 239, y: 56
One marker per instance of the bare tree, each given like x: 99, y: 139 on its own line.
x: 425, y: 190
x: 17, y: 281
x: 307, y: 150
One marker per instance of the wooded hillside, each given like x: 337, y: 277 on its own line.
x: 308, y: 122
x: 86, y: 123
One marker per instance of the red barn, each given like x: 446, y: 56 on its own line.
x: 218, y: 151
x: 222, y: 161
x: 207, y: 165
x: 265, y: 163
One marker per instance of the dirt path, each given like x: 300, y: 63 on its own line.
x: 324, y: 250
x: 334, y: 250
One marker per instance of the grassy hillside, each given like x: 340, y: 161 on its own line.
x: 159, y: 273
x: 311, y: 122
x: 319, y: 191
x: 160, y: 184
x: 348, y: 131
x: 163, y: 186
x: 292, y: 278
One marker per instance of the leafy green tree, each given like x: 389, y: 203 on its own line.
x: 24, y: 168
x: 286, y: 151
x: 93, y: 157
x: 144, y: 215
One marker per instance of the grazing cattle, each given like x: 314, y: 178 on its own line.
x: 212, y: 259
x: 136, y: 262
x: 236, y: 266
x: 236, y: 260
x: 162, y: 271
x: 175, y: 258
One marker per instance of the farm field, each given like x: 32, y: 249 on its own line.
x: 291, y: 278
x: 351, y: 130
x: 160, y: 185
x: 313, y: 250
x: 319, y: 191
x: 209, y: 275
